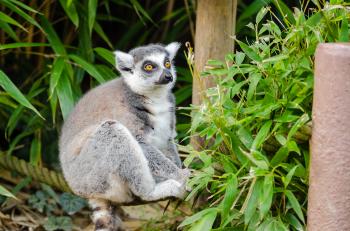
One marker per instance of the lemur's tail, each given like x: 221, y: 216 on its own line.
x: 104, y: 216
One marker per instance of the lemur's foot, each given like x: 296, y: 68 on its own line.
x: 184, y: 175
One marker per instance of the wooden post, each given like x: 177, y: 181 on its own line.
x: 215, y: 26
x: 215, y: 23
x: 329, y: 191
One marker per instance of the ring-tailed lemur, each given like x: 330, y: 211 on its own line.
x: 118, y: 142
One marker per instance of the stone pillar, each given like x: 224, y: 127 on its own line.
x: 329, y: 191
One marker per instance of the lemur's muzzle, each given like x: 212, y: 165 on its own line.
x: 166, y: 77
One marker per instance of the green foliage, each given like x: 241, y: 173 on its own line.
x: 58, y: 223
x: 42, y: 202
x: 254, y: 169
x: 47, y: 201
x: 71, y: 204
x: 5, y: 192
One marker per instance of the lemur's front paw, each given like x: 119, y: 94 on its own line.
x: 184, y: 175
x: 187, y: 176
x: 177, y: 188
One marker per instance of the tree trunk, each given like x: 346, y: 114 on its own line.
x: 215, y: 26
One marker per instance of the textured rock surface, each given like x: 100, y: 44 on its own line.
x: 329, y: 192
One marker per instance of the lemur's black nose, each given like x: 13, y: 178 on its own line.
x: 168, y: 78
x: 165, y: 78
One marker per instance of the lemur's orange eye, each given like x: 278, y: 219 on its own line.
x: 167, y: 64
x: 148, y: 67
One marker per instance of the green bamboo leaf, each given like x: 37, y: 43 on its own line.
x: 24, y: 6
x: 239, y: 58
x: 261, y: 14
x: 250, y: 11
x: 279, y: 226
x: 262, y: 135
x: 88, y: 67
x: 23, y: 183
x: 253, y: 82
x: 65, y: 95
x: 235, y: 145
x: 16, y: 94
x: 6, y: 27
x: 314, y: 19
x: 344, y: 30
x: 92, y: 8
x: 71, y: 11
x: 253, y: 201
x: 281, y: 139
x: 245, y: 136
x: 18, y: 45
x: 249, y: 52
x: 53, y: 106
x: 7, y: 101
x: 18, y: 112
x: 69, y: 2
x: 139, y: 9
x: 230, y: 194
x: 196, y: 217
x: 57, y: 68
x: 52, y: 36
x: 295, y: 205
x: 20, y: 12
x: 8, y: 19
x: 227, y: 164
x: 183, y: 93
x: 300, y: 122
x: 286, y: 13
x: 35, y: 149
x: 106, y: 72
x: 206, y: 222
x: 295, y: 222
x: 237, y: 87
x: 286, y: 180
x: 275, y: 58
x: 18, y: 138
x: 98, y: 29
x: 259, y: 159
x: 317, y: 3
x: 5, y: 192
x: 267, y: 195
x: 293, y: 147
x: 280, y: 156
x: 13, y: 120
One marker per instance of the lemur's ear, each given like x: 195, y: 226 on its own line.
x: 124, y: 61
x: 172, y: 48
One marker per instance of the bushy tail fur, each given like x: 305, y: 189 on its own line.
x: 104, y: 216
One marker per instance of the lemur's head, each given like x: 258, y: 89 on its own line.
x: 148, y: 68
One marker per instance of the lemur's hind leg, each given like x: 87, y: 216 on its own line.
x: 104, y: 216
x: 110, y: 165
x: 133, y: 167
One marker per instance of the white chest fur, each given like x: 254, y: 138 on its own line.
x: 161, y: 116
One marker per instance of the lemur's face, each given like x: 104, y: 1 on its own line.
x: 156, y: 69
x: 149, y: 67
